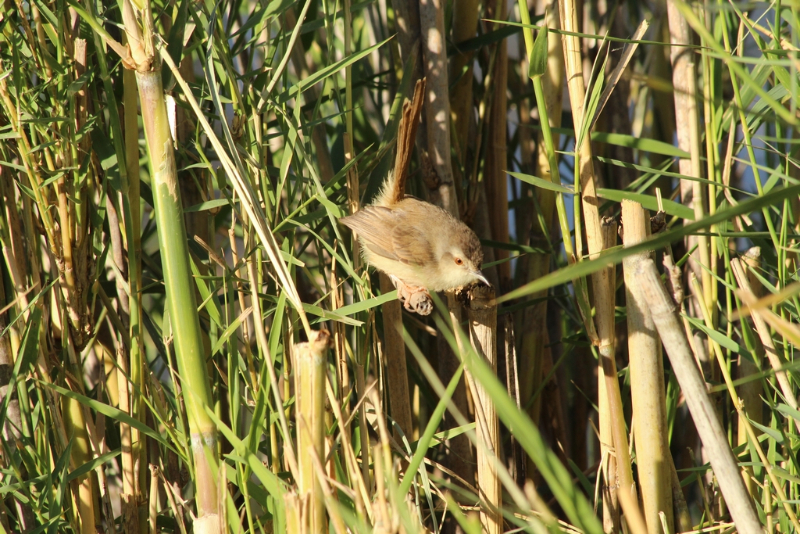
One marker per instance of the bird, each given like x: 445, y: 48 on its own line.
x: 421, y: 247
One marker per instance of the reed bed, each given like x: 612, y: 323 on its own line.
x: 191, y: 342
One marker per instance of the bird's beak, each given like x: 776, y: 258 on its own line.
x: 479, y: 276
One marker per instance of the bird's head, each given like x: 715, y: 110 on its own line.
x: 461, y: 262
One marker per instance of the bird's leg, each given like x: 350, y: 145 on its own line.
x: 414, y: 298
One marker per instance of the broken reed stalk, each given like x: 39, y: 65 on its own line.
x: 310, y: 370
x: 748, y: 295
x: 482, y: 315
x: 693, y: 387
x: 647, y: 381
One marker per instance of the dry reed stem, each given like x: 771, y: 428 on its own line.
x: 647, y: 381
x: 482, y: 314
x: 310, y: 369
x: 687, y: 124
x: 693, y: 388
x: 598, y: 238
x: 747, y: 295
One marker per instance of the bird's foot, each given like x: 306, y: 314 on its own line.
x: 415, y: 299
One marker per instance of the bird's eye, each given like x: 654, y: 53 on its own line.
x: 459, y: 261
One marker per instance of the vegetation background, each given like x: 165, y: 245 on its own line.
x: 190, y: 342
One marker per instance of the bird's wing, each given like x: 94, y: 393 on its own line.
x: 391, y: 233
x: 411, y: 246
x: 374, y: 225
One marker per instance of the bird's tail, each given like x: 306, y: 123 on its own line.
x: 394, y: 189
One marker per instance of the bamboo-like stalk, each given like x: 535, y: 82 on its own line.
x: 687, y: 124
x: 482, y: 315
x: 713, y: 436
x: 599, y: 237
x: 533, y: 324
x: 295, y: 510
x: 181, y: 295
x: 81, y: 453
x: 310, y: 368
x: 647, y: 383
x: 130, y: 519
x: 459, y: 453
x: 176, y: 266
x: 153, y: 505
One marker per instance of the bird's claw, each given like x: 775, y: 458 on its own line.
x: 419, y: 302
x: 415, y: 299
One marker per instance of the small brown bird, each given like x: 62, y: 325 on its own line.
x: 420, y: 246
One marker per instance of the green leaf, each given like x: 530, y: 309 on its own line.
x: 721, y: 340
x: 541, y: 182
x: 321, y: 74
x: 538, y: 59
x: 593, y: 98
x: 211, y: 204
x: 223, y: 338
x: 117, y: 415
x: 26, y: 356
x: 584, y: 268
x: 271, y: 482
x: 368, y: 304
x: 574, y: 504
x: 330, y: 315
x: 428, y: 437
x: 93, y: 464
x: 771, y: 432
x: 483, y: 40
x: 207, y: 298
x: 648, y: 202
x: 640, y: 143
